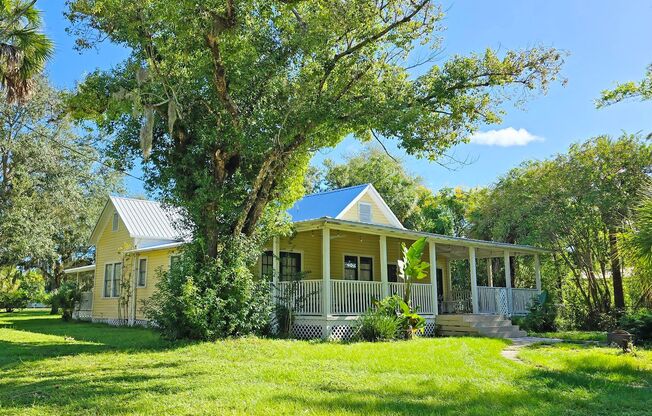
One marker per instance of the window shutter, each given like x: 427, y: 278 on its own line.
x: 365, y: 212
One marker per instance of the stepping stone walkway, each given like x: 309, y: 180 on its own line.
x: 511, y: 352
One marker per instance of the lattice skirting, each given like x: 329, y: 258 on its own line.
x: 82, y: 315
x: 120, y: 322
x: 339, y: 330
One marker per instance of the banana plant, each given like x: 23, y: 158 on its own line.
x: 411, y: 267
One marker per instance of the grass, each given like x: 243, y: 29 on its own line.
x: 599, y: 336
x: 51, y: 367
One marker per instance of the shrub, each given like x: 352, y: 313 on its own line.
x: 66, y: 297
x: 374, y: 326
x: 409, y: 322
x: 18, y: 288
x: 638, y: 324
x: 205, y: 298
x: 541, y: 315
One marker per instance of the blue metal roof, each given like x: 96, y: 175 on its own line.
x: 324, y: 204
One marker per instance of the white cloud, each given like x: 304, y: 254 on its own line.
x: 505, y: 137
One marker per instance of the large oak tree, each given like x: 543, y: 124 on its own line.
x: 229, y: 99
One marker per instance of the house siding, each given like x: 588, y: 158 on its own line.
x: 157, y: 261
x: 377, y: 215
x: 109, y: 247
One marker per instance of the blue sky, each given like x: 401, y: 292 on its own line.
x: 607, y: 41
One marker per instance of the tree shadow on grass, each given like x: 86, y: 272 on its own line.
x: 72, y: 338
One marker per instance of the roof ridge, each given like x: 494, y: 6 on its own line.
x: 129, y: 198
x: 338, y: 190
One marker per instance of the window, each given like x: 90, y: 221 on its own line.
x: 358, y: 268
x: 364, y: 210
x: 350, y: 268
x: 142, y: 272
x: 116, y: 221
x: 392, y: 273
x: 174, y: 260
x: 366, y: 266
x: 290, y: 264
x: 267, y: 262
x: 112, y: 277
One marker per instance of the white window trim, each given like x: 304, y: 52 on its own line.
x: 373, y: 266
x: 170, y: 259
x: 138, y: 272
x: 104, y: 295
x: 371, y: 216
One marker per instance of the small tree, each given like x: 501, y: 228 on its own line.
x: 66, y: 297
x: 412, y: 268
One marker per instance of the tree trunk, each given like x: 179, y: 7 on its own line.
x: 616, y: 275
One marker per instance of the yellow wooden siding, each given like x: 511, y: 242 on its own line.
x: 157, y: 261
x: 377, y: 215
x: 394, y: 253
x: 347, y: 243
x: 109, y: 248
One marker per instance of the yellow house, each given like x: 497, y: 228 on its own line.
x: 345, y: 248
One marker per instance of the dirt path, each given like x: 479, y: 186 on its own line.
x: 511, y: 352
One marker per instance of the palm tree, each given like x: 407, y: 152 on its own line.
x: 23, y: 49
x: 638, y: 246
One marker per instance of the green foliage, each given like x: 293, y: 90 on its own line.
x: 638, y: 324
x: 51, y: 191
x: 211, y: 299
x: 374, y: 326
x: 542, y: 314
x: 641, y: 90
x: 411, y: 268
x: 24, y: 50
x: 576, y: 204
x: 18, y: 288
x: 66, y: 297
x: 409, y: 321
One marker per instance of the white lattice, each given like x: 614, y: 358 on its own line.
x: 304, y: 331
x: 341, y: 332
x: 429, y: 329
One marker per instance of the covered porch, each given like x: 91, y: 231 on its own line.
x: 334, y: 295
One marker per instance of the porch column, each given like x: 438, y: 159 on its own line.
x: 537, y: 272
x: 490, y: 272
x: 508, y: 282
x: 276, y: 262
x: 383, y: 266
x: 134, y: 285
x: 326, y: 274
x: 448, y: 285
x: 433, y: 276
x: 474, y: 280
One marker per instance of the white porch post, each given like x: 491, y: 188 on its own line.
x: 508, y: 282
x: 276, y: 261
x: 474, y: 280
x: 448, y: 285
x: 132, y: 301
x: 537, y: 272
x: 433, y: 276
x: 490, y: 272
x: 383, y: 266
x: 326, y: 274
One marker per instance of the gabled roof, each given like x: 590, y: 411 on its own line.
x: 144, y: 219
x: 328, y: 204
x: 336, y: 203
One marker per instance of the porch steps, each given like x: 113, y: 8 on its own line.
x: 493, y: 326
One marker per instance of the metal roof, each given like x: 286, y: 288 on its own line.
x: 325, y: 204
x: 147, y: 219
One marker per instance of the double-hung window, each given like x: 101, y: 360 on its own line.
x: 112, y: 278
x: 289, y: 263
x: 358, y: 268
x: 142, y: 272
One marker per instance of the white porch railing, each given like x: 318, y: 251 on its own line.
x: 522, y: 299
x: 421, y: 295
x: 495, y: 300
x: 351, y: 297
x: 304, y: 296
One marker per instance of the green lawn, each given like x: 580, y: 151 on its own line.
x: 599, y: 336
x: 50, y: 367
